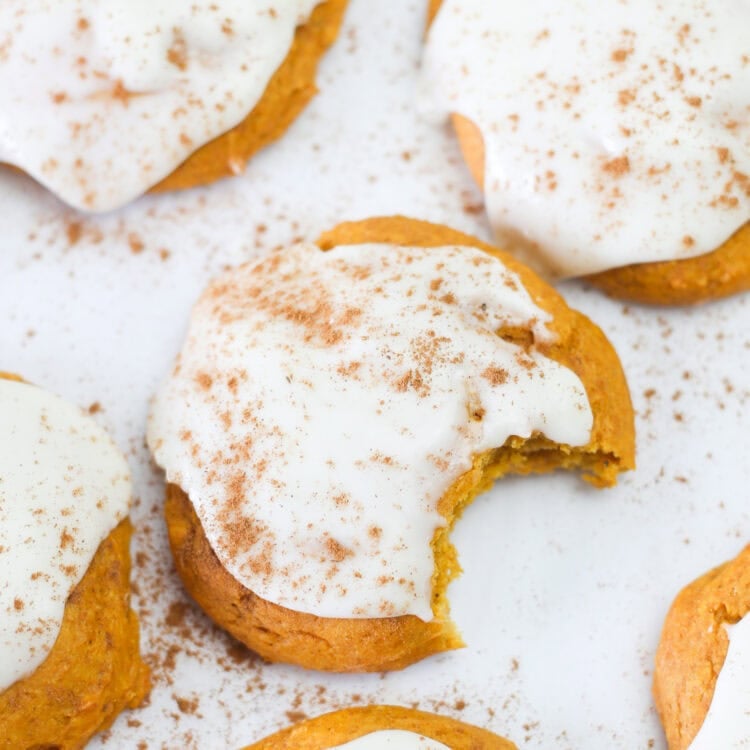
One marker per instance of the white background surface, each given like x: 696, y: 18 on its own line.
x: 564, y: 588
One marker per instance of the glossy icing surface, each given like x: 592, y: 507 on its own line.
x: 323, y: 403
x: 64, y: 486
x: 727, y: 723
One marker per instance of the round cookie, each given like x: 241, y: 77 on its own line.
x: 280, y: 633
x: 340, y: 727
x: 194, y: 108
x: 719, y: 273
x: 94, y: 669
x: 693, y: 647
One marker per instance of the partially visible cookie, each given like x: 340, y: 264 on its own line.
x: 69, y: 653
x: 584, y: 174
x: 376, y: 727
x: 693, y: 651
x: 99, y: 120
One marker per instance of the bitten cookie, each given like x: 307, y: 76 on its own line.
x: 69, y: 657
x: 100, y: 119
x: 703, y: 659
x: 332, y: 413
x: 611, y: 141
x: 380, y: 727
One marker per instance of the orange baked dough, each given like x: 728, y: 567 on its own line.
x: 280, y: 634
x: 720, y: 273
x: 348, y: 724
x: 694, y: 645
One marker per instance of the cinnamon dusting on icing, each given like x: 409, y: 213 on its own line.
x: 324, y: 402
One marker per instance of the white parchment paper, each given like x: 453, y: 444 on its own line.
x: 565, y: 588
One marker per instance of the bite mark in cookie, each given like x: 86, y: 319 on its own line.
x: 372, y: 373
x: 356, y: 409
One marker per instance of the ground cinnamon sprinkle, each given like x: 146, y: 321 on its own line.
x: 318, y: 322
x: 73, y: 231
x: 495, y: 375
x: 177, y: 53
x: 120, y: 93
x: 187, y: 705
x: 204, y: 380
x: 348, y: 370
x: 412, y: 379
x: 136, y: 243
x: 66, y: 539
x: 617, y: 167
x: 337, y: 551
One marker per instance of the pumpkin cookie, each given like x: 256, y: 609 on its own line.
x: 331, y: 414
x: 100, y: 120
x: 376, y: 727
x: 629, y: 164
x: 69, y: 658
x: 700, y: 682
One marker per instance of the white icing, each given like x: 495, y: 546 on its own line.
x: 101, y: 100
x: 64, y: 486
x: 392, y: 739
x: 727, y: 723
x: 616, y: 131
x: 321, y: 407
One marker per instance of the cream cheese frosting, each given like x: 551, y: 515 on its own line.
x: 101, y: 100
x: 615, y: 131
x: 392, y: 739
x: 64, y: 486
x: 727, y: 723
x: 323, y: 403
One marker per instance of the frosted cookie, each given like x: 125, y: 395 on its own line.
x: 612, y: 139
x: 702, y: 664
x: 124, y: 97
x: 69, y: 658
x: 331, y: 414
x: 381, y: 728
